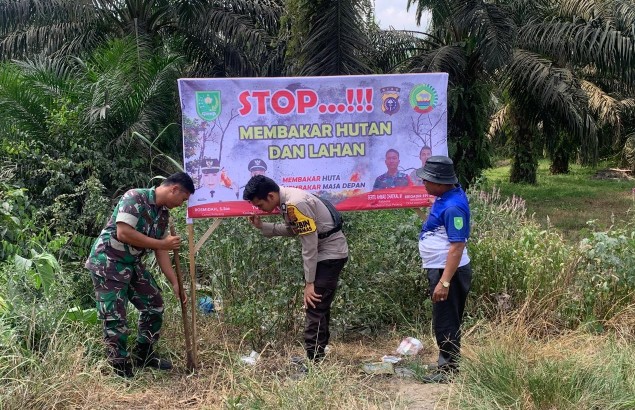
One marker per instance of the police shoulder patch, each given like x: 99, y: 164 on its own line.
x: 300, y: 223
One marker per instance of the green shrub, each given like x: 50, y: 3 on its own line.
x: 511, y: 255
x: 606, y: 278
x: 261, y: 280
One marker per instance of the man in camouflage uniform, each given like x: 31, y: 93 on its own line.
x: 138, y: 223
x: 393, y: 177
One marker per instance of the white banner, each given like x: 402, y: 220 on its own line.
x: 355, y: 140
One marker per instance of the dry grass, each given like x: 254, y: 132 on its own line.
x: 72, y: 376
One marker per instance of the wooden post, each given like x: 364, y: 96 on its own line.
x: 190, y: 232
x: 421, y: 213
x: 186, y: 326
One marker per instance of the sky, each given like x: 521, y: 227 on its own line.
x: 393, y: 13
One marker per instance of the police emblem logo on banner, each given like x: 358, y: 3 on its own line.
x: 390, y: 100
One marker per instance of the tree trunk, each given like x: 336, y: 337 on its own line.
x: 524, y: 161
x: 560, y: 161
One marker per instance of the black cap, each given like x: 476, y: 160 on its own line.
x: 256, y: 165
x: 438, y: 169
x: 212, y: 166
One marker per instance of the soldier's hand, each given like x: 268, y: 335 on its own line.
x: 255, y: 221
x: 171, y: 243
x: 181, y: 296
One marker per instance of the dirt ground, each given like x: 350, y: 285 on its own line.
x: 419, y: 396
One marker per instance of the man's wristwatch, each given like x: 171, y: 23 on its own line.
x: 445, y: 284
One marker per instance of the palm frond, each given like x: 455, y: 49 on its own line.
x: 544, y: 90
x: 608, y: 49
x: 607, y: 109
x: 336, y: 41
x: 450, y: 59
x: 31, y: 26
x: 580, y: 9
x: 389, y: 49
x: 494, y: 31
x: 497, y: 121
x: 225, y: 39
x: 624, y: 16
x: 441, y: 10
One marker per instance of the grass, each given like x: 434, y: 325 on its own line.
x: 505, y: 368
x: 567, y: 202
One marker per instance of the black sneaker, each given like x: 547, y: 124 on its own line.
x: 123, y: 369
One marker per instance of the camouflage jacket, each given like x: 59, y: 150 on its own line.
x: 138, y: 209
x: 387, y: 181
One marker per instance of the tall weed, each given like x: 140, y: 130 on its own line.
x: 505, y: 368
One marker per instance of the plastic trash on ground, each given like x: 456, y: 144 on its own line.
x: 251, y: 359
x: 409, y: 346
x: 378, y: 368
x: 404, y: 372
x: 391, y: 359
x: 206, y: 305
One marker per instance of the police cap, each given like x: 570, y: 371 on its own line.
x: 212, y: 166
x: 256, y: 165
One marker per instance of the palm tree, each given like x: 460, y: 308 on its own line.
x: 572, y: 70
x: 220, y: 38
x: 472, y: 41
x: 68, y: 125
x: 326, y: 37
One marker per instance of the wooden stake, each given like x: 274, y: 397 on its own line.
x: 190, y: 232
x: 186, y: 326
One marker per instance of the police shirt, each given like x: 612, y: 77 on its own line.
x: 305, y: 216
x: 137, y: 208
x: 448, y: 222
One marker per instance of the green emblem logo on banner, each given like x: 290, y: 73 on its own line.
x: 208, y: 104
x: 458, y: 222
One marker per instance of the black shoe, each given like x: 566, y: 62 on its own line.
x: 123, y: 369
x: 145, y: 356
x: 437, y: 377
x: 440, y: 376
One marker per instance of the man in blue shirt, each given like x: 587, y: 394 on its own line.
x: 442, y: 248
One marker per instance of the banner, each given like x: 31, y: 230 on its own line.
x: 354, y: 140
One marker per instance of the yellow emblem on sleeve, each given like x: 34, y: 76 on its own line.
x: 300, y: 223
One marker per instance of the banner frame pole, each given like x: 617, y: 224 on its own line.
x: 192, y: 252
x: 421, y: 213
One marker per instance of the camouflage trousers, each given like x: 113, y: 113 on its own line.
x: 112, y: 298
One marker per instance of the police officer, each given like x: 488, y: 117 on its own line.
x: 257, y: 167
x: 324, y: 249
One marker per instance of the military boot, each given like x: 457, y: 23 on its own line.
x: 123, y: 369
x: 145, y: 356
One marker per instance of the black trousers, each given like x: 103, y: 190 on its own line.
x: 316, y: 328
x: 448, y: 314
